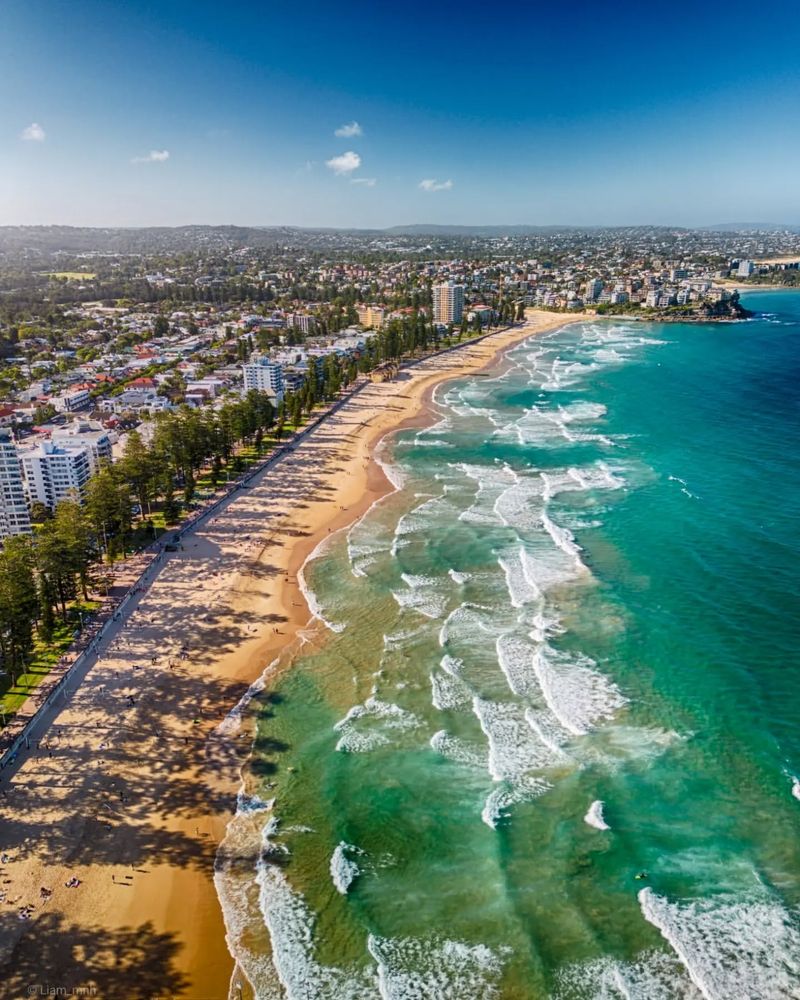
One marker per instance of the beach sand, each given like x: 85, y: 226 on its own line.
x: 129, y: 790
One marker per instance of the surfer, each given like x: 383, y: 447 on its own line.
x: 640, y: 875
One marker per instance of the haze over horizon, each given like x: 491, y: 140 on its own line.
x: 365, y: 118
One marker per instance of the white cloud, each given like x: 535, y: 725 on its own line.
x: 431, y: 184
x: 154, y: 156
x: 348, y: 131
x: 369, y: 182
x: 33, y: 133
x: 344, y: 164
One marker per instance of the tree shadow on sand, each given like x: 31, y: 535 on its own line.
x: 130, y: 963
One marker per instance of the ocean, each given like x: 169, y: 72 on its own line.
x: 545, y: 741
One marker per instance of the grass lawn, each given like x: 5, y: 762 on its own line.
x: 45, y: 656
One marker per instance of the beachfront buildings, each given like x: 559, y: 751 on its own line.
x: 89, y: 434
x: 448, y: 303
x: 263, y: 375
x: 14, y: 516
x: 54, y: 472
x: 371, y: 316
x: 593, y: 289
x: 69, y: 402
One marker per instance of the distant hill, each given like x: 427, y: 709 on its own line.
x: 749, y: 227
x: 79, y: 239
x: 54, y: 240
x: 423, y: 229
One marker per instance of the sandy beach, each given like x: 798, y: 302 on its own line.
x: 129, y: 791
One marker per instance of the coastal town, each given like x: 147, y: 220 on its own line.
x: 144, y: 371
x: 179, y: 430
x: 98, y: 343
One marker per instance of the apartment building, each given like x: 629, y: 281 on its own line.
x: 14, y: 516
x: 88, y: 434
x: 54, y: 472
x: 372, y: 316
x: 448, y: 303
x: 263, y: 375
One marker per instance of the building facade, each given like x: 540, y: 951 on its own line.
x: 14, y: 516
x: 54, y: 473
x: 448, y: 303
x: 88, y: 434
x: 263, y: 375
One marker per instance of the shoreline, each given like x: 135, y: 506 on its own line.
x: 745, y: 289
x: 135, y: 783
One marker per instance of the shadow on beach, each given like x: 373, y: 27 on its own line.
x: 131, y: 963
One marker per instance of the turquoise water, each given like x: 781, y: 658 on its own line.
x: 564, y: 652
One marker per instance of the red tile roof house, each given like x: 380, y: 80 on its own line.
x: 142, y: 383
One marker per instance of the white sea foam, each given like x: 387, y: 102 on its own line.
x: 423, y: 518
x: 466, y: 624
x: 596, y: 477
x: 622, y: 744
x: 546, y: 567
x: 457, y: 577
x: 452, y: 665
x: 232, y: 722
x: 342, y: 867
x: 576, y: 694
x: 313, y: 603
x: 424, y: 969
x: 563, y: 538
x: 252, y: 803
x: 392, y: 472
x: 501, y: 799
x: 454, y: 748
x: 521, y: 588
x: 366, y: 542
x: 548, y: 731
x: 439, y: 427
x: 732, y: 949
x: 520, y: 505
x: 515, y: 657
x: 796, y: 787
x: 351, y: 741
x: 449, y: 693
x: 291, y: 927
x: 424, y: 594
x: 594, y: 817
x: 397, y: 639
x: 363, y: 728
x: 652, y: 975
x: 581, y: 411
x: 513, y: 749
x: 492, y: 481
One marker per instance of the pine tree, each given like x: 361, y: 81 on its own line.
x: 19, y: 602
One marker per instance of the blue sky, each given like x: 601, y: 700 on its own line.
x: 148, y: 113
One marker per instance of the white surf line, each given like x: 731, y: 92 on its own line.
x: 594, y: 817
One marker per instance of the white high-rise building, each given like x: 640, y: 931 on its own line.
x: 745, y: 269
x: 54, y: 473
x: 14, y: 516
x: 593, y: 289
x: 89, y: 434
x: 448, y: 303
x: 264, y: 375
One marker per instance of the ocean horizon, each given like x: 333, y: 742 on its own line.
x: 544, y: 742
